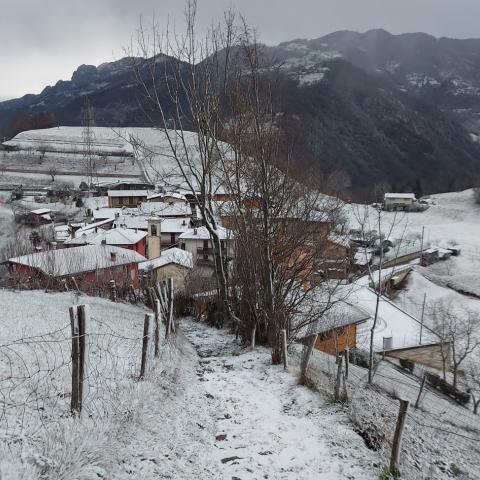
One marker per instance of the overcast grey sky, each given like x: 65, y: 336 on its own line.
x: 42, y: 41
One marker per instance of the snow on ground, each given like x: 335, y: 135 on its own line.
x: 228, y: 415
x: 267, y: 426
x: 6, y: 220
x: 67, y: 162
x: 441, y: 439
x: 452, y: 220
x: 150, y: 147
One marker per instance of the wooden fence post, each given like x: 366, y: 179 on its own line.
x: 79, y: 321
x: 158, y: 317
x: 338, y: 381
x: 145, y: 342
x: 347, y: 361
x: 308, y: 355
x: 397, y: 438
x: 283, y: 336
x: 254, y: 332
x: 170, y: 305
x: 422, y: 386
x: 113, y: 291
x: 83, y: 331
x: 74, y: 401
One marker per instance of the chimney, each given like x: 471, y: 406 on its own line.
x: 113, y: 256
x: 195, y: 231
x: 104, y: 241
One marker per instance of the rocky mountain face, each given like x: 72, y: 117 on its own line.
x: 404, y: 109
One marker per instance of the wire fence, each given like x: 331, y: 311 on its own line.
x: 441, y: 439
x: 39, y: 375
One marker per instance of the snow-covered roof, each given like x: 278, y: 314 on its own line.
x: 340, y: 314
x: 362, y: 257
x: 115, y: 236
x: 176, y: 195
x: 104, y: 213
x: 62, y: 233
x: 161, y: 209
x: 202, y: 233
x: 341, y: 240
x: 132, y: 221
x: 172, y: 255
x: 41, y: 211
x: 400, y: 195
x: 128, y: 193
x: 92, y: 226
x: 403, y: 328
x: 69, y: 261
x: 174, y: 225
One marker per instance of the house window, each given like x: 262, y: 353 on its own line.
x: 153, y: 230
x: 172, y: 238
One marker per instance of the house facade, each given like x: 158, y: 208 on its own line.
x: 399, y: 201
x: 88, y: 268
x: 198, y: 242
x: 126, y: 198
x: 173, y: 263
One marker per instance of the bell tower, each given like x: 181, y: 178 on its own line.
x: 154, y: 242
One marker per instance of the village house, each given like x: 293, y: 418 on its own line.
x: 102, y: 188
x: 336, y: 330
x: 198, y: 242
x: 120, y: 237
x: 399, y: 201
x: 126, y: 198
x: 40, y: 216
x: 85, y: 268
x: 172, y: 263
x: 338, y: 257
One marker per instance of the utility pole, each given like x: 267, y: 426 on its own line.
x: 421, y: 246
x: 421, y: 318
x: 88, y: 137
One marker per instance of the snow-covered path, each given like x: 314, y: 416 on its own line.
x: 266, y: 426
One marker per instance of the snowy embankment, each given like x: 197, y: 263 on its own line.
x: 38, y: 437
x: 441, y: 439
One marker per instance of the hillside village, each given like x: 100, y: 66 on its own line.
x: 390, y: 293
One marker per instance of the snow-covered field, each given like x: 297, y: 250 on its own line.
x: 452, y: 220
x: 150, y: 148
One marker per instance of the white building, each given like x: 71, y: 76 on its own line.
x: 399, y: 201
x: 198, y: 242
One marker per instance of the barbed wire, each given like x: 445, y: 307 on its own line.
x: 36, y: 376
x: 455, y: 444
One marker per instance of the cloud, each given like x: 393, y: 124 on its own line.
x: 44, y: 41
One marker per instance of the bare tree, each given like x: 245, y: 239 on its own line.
x: 375, y: 233
x: 229, y: 94
x: 52, y: 171
x: 196, y: 88
x: 459, y: 333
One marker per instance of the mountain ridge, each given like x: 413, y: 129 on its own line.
x: 400, y: 108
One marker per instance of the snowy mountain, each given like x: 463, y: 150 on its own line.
x: 379, y: 107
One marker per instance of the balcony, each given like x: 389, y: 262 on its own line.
x: 204, y: 251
